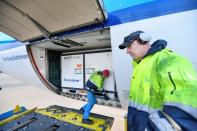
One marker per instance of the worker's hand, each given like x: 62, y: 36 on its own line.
x: 106, y: 97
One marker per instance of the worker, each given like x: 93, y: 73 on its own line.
x: 94, y: 85
x: 163, y: 91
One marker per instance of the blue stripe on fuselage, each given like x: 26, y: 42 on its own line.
x: 10, y: 45
x: 149, y: 10
x: 7, y: 41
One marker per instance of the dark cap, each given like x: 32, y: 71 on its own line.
x: 129, y: 39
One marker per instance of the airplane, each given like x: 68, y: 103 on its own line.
x: 58, y: 44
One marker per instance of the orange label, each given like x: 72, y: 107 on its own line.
x: 79, y: 65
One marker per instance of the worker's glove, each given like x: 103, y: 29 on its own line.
x: 106, y: 97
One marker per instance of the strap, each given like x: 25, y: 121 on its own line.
x: 172, y: 122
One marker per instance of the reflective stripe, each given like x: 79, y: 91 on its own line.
x: 171, y: 121
x: 145, y: 108
x: 89, y: 89
x: 190, y: 110
x: 161, y: 123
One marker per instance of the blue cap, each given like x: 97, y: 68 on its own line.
x: 129, y: 39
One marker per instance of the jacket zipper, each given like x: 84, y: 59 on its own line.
x: 170, y: 76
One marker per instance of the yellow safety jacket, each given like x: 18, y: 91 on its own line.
x: 97, y: 79
x: 161, y: 78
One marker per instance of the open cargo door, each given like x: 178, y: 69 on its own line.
x: 27, y: 20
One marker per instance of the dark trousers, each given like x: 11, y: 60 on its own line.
x: 137, y: 120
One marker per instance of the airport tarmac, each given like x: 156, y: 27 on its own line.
x: 15, y: 92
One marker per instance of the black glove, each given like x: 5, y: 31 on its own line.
x: 106, y: 97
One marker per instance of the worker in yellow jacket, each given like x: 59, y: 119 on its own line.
x: 94, y: 85
x: 163, y: 92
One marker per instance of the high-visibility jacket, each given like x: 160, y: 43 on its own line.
x: 95, y: 82
x: 163, y: 78
x: 97, y: 79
